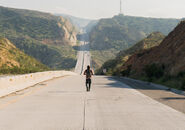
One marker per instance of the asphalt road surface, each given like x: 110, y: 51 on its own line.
x: 166, y: 97
x: 84, y: 58
x: 64, y: 104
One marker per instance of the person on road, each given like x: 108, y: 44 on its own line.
x: 88, y: 72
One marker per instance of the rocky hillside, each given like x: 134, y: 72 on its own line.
x: 114, y: 66
x: 112, y: 35
x: 41, y: 35
x: 69, y: 31
x: 170, y: 53
x: 14, y: 61
x: 162, y: 64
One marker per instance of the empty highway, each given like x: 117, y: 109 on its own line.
x: 64, y: 104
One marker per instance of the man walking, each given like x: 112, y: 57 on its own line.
x: 88, y: 72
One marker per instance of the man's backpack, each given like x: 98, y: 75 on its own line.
x: 88, y: 73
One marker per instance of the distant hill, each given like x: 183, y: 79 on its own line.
x: 162, y: 64
x: 14, y: 61
x: 80, y: 23
x: 112, y: 35
x: 113, y: 67
x: 90, y: 26
x: 46, y: 37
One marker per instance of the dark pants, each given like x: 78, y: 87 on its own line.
x: 88, y: 84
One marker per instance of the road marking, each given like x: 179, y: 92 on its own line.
x: 84, y: 114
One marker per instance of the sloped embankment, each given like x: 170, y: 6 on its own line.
x: 164, y: 64
x: 170, y: 53
x: 13, y: 61
x: 114, y: 66
x: 46, y: 37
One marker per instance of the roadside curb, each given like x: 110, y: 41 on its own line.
x: 156, y: 86
x: 11, y: 84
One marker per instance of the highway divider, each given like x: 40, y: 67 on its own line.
x: 11, y: 84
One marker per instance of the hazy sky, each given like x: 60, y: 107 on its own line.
x: 95, y: 9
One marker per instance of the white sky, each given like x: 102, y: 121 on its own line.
x: 95, y: 9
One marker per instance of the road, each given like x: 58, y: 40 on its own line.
x: 84, y: 58
x: 166, y: 97
x: 64, y: 104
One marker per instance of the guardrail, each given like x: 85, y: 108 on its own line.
x: 11, y: 84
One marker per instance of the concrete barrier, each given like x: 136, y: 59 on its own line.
x: 11, y: 84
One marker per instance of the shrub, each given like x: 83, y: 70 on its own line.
x: 127, y: 71
x: 181, y: 74
x: 183, y: 84
x: 154, y: 71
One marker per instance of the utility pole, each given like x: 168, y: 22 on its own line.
x: 120, y: 7
x: 121, y: 13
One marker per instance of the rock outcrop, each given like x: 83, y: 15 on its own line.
x: 70, y: 31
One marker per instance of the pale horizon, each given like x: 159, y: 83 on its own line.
x: 95, y: 9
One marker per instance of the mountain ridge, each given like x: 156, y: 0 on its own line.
x: 46, y: 37
x: 112, y: 35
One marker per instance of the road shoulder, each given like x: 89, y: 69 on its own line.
x: 166, y: 97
